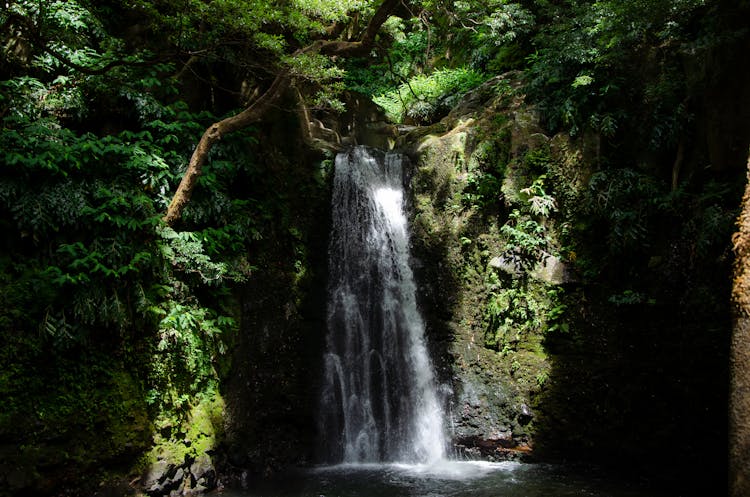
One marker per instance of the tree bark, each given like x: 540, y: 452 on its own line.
x: 739, y: 401
x: 256, y: 111
x: 213, y: 134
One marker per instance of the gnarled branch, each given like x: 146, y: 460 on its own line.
x: 259, y: 107
x: 214, y: 133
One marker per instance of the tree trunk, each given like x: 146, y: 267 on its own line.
x: 739, y: 402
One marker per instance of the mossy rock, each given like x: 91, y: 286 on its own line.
x: 179, y: 440
x: 469, y: 172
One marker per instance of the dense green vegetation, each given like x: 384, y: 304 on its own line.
x: 113, y: 325
x: 109, y: 319
x: 115, y: 329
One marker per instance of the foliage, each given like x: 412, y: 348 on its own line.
x: 104, y: 320
x: 540, y: 202
x: 519, y: 306
x: 406, y: 56
x: 527, y: 231
x: 485, y: 172
x: 185, y: 251
x: 580, y: 70
x: 511, y: 315
x: 189, y: 338
x: 500, y: 33
x: 328, y: 10
x: 422, y: 98
x: 113, y: 325
x: 526, y: 237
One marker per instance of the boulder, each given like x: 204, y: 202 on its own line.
x: 196, y: 490
x: 155, y: 480
x: 177, y: 478
x: 553, y: 271
x: 202, y: 470
x: 509, y: 265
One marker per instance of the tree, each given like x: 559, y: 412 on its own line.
x: 255, y: 111
x: 739, y: 405
x: 273, y: 44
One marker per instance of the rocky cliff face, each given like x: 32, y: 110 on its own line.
x: 489, y: 261
x: 271, y: 390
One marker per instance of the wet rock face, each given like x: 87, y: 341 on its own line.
x: 272, y: 385
x: 470, y: 172
x: 482, y: 411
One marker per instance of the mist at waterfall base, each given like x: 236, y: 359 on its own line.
x: 381, y: 420
x: 443, y: 479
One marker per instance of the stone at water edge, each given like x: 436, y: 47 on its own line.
x: 178, y: 477
x: 197, y: 490
x: 203, y: 469
x: 159, y: 477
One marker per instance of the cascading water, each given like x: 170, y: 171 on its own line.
x: 379, y: 400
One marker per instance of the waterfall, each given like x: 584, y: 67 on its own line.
x: 379, y: 399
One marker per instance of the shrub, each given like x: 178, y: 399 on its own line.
x: 425, y: 97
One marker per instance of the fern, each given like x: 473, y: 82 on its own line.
x: 424, y: 95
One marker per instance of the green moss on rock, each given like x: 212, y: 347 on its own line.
x: 469, y: 186
x: 178, y: 440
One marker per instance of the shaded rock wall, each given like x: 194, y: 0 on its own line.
x: 271, y: 389
x: 486, y: 301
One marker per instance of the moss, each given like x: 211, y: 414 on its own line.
x: 179, y: 440
x: 127, y: 416
x: 82, y: 411
x: 497, y: 318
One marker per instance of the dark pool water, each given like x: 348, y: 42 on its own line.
x: 454, y: 479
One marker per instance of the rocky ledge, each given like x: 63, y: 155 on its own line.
x: 194, y: 476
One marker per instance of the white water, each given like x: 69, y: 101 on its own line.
x: 444, y: 469
x: 445, y: 479
x: 379, y: 402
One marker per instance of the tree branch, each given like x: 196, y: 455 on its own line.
x: 259, y: 107
x: 214, y: 133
